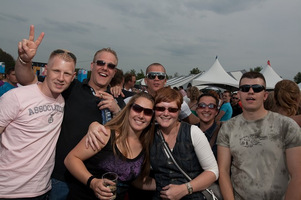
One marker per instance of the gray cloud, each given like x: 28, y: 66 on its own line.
x: 179, y: 34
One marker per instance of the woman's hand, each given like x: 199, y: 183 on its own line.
x: 173, y: 192
x: 100, y: 190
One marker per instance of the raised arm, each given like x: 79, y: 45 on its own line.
x: 27, y: 49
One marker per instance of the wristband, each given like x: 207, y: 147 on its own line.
x: 89, y: 180
x: 22, y: 61
x: 189, y: 188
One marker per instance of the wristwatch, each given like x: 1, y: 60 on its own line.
x: 189, y: 188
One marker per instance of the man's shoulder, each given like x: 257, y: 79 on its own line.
x: 232, y: 121
x: 285, y: 120
x: 74, y: 87
x: 127, y: 93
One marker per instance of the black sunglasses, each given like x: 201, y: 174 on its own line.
x: 203, y: 106
x: 153, y: 75
x: 61, y: 51
x: 102, y: 63
x: 139, y: 109
x: 256, y: 88
x: 162, y: 109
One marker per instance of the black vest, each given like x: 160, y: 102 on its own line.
x: 165, y: 172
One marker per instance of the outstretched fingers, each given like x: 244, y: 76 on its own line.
x: 27, y: 47
x: 40, y: 38
x: 31, y: 36
x: 31, y: 33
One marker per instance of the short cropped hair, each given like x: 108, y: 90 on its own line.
x: 155, y: 64
x: 253, y: 75
x: 108, y: 49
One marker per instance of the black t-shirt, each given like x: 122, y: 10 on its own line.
x: 80, y: 111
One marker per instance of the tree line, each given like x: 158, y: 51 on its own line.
x: 10, y: 61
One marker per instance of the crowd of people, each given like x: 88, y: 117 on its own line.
x: 10, y: 81
x: 59, y: 137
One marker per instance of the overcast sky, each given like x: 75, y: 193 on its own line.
x: 179, y: 34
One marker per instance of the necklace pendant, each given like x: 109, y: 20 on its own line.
x: 50, y: 119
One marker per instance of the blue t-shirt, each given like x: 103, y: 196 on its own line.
x: 227, y: 108
x: 5, y: 87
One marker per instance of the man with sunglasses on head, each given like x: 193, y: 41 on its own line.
x: 259, y: 148
x: 155, y: 79
x: 85, y: 103
x: 30, y: 123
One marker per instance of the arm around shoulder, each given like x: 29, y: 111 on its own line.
x: 74, y: 161
x: 192, y: 119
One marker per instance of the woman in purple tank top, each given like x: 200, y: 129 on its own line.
x: 125, y: 151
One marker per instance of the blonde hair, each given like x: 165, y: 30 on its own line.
x: 108, y: 49
x: 287, y: 96
x: 194, y: 93
x: 63, y: 54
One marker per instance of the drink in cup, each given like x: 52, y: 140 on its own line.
x: 108, y: 178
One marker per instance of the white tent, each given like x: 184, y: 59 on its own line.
x: 237, y: 74
x: 215, y: 75
x: 271, y: 77
x: 140, y: 82
x: 182, y: 80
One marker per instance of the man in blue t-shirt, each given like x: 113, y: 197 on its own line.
x: 11, y: 81
x: 226, y: 111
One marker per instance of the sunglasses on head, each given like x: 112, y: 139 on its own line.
x: 203, y: 106
x: 153, y: 75
x: 256, y: 88
x: 162, y: 109
x: 102, y: 63
x: 61, y: 51
x: 139, y: 109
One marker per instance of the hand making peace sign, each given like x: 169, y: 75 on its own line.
x: 27, y: 48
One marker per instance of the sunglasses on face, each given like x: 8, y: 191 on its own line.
x: 256, y: 88
x: 102, y: 63
x: 203, y: 106
x: 139, y: 109
x: 235, y: 98
x: 162, y: 109
x: 153, y: 75
x: 61, y: 51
